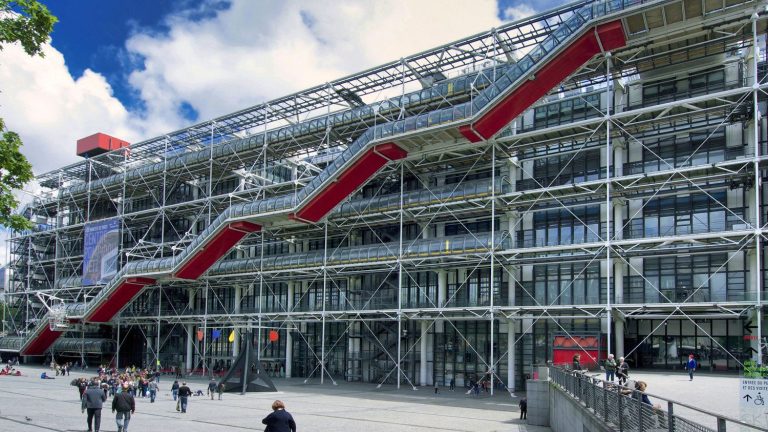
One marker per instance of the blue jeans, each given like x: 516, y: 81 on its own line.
x: 609, y: 375
x: 122, y: 419
x: 152, y: 394
x: 175, y: 393
x: 183, y: 403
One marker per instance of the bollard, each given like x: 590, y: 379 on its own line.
x: 594, y: 396
x: 670, y: 417
x: 720, y: 424
x: 619, y: 399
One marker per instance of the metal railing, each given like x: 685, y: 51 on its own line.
x: 622, y: 408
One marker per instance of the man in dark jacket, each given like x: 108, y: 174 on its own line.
x: 184, y: 394
x: 279, y: 420
x: 125, y: 405
x: 93, y: 399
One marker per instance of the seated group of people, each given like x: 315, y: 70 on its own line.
x: 9, y: 370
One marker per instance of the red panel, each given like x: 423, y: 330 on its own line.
x: 555, y: 71
x: 140, y: 280
x: 470, y: 134
x: 247, y: 227
x: 345, y: 184
x: 99, y: 143
x: 121, y: 296
x: 589, y: 357
x: 215, y: 248
x: 391, y: 151
x: 42, y: 342
x: 611, y: 35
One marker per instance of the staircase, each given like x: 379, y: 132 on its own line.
x: 562, y: 53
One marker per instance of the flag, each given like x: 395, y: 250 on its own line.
x: 215, y: 334
x: 232, y: 336
x: 200, y: 335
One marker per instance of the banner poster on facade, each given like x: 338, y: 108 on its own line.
x: 753, y: 392
x: 100, y: 251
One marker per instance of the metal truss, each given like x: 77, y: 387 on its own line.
x: 385, y: 311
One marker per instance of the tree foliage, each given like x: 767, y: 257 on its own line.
x: 15, y: 172
x: 29, y: 23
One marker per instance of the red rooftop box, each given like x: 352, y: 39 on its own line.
x: 99, y: 143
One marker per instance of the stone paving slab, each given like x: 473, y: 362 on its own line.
x: 28, y: 403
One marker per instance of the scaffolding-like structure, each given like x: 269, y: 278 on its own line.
x: 591, y: 173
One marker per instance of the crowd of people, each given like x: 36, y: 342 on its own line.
x: 124, y: 386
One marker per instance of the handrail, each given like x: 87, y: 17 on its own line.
x: 606, y: 400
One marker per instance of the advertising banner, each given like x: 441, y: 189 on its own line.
x: 100, y: 251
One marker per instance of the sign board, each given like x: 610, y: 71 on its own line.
x: 100, y: 251
x: 753, y: 395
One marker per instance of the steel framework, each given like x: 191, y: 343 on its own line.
x: 623, y: 199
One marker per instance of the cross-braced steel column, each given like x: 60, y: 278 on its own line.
x: 758, y: 356
x: 608, y: 208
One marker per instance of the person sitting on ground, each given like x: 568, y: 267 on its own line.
x: 45, y: 376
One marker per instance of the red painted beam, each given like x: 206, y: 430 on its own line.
x: 390, y: 151
x: 215, y: 248
x: 42, y: 342
x: 571, y: 59
x: 121, y: 296
x: 352, y: 178
x: 611, y: 35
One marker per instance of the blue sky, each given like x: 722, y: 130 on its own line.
x: 92, y: 35
x: 138, y: 69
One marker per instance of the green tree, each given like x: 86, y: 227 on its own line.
x: 29, y: 23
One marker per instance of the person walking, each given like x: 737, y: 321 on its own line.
x: 437, y: 387
x: 152, y: 391
x: 220, y: 389
x: 125, y: 405
x: 691, y: 366
x: 175, y: 389
x: 523, y: 408
x: 93, y: 400
x: 622, y: 372
x: 610, y: 368
x: 212, y: 387
x: 452, y: 385
x: 184, y: 394
x: 279, y: 420
x: 82, y: 386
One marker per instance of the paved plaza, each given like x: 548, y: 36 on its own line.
x: 28, y: 403
x: 53, y: 405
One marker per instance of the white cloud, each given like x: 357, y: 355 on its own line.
x: 248, y: 54
x: 254, y: 52
x: 518, y: 12
x: 51, y: 110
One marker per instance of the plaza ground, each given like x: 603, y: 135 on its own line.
x: 28, y: 403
